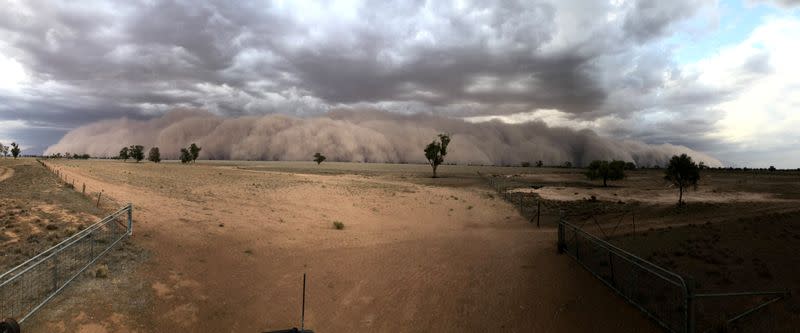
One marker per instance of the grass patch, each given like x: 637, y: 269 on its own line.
x: 338, y: 225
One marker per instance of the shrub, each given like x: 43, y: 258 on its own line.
x: 338, y: 225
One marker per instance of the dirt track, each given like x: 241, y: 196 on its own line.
x: 6, y: 173
x: 229, y: 248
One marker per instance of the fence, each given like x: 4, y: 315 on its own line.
x: 26, y: 288
x: 529, y: 206
x: 666, y: 297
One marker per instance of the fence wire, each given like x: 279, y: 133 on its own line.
x: 26, y: 288
x: 659, y: 293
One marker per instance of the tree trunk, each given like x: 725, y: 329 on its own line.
x: 680, y: 196
x: 434, y: 170
x: 605, y: 179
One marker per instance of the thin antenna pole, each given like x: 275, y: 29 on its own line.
x: 303, y: 311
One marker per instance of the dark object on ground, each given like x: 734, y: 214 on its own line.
x: 9, y: 325
x: 292, y: 330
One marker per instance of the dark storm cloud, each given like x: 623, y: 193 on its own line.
x: 92, y: 61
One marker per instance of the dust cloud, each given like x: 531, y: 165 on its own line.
x: 361, y: 136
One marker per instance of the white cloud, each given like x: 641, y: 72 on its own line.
x: 765, y: 71
x: 12, y: 75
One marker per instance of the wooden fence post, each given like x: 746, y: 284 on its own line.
x: 538, y: 212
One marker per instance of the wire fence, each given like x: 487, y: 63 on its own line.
x: 95, y: 193
x: 660, y: 294
x: 668, y: 298
x: 29, y: 286
x: 528, y: 204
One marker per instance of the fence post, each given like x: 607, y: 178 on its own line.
x: 560, y: 237
x: 55, y: 272
x: 130, y: 219
x: 83, y: 191
x: 690, y: 305
x: 538, y: 212
x: 98, y: 198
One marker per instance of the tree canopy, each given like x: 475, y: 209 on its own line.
x: 194, y: 151
x: 319, y: 158
x: 15, y: 151
x: 605, y: 170
x: 136, y: 152
x: 683, y: 173
x: 123, y: 154
x: 186, y: 156
x: 436, y: 151
x: 154, y: 155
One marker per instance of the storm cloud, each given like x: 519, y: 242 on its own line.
x: 360, y: 136
x: 607, y: 64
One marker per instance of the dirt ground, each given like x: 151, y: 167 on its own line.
x: 36, y: 211
x: 228, y: 243
x: 739, y: 231
x: 222, y: 246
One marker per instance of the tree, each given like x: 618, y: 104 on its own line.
x: 539, y: 164
x: 136, y: 152
x: 123, y: 154
x: 567, y: 164
x: 436, y: 151
x: 319, y: 158
x: 682, y: 172
x: 525, y: 164
x: 772, y: 168
x: 614, y: 170
x: 154, y: 155
x: 15, y: 149
x: 194, y: 150
x: 186, y: 156
x: 630, y: 166
x: 3, y: 150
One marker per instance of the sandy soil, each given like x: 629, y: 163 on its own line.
x: 229, y: 247
x: 5, y: 173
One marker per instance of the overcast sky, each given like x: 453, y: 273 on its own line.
x: 721, y: 77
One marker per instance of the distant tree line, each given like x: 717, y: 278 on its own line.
x: 136, y: 153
